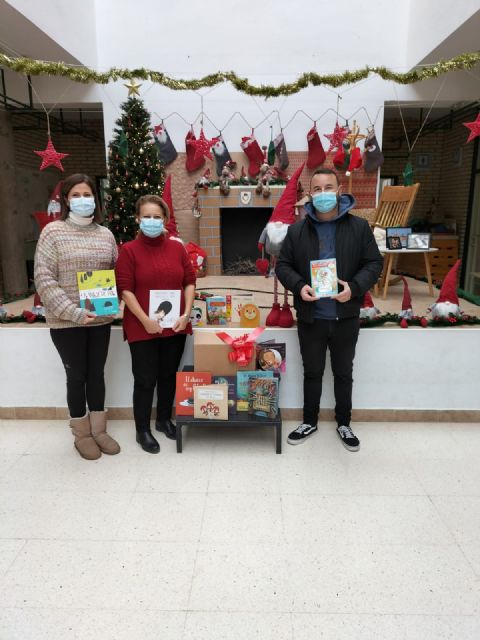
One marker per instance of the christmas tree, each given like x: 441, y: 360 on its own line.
x: 134, y: 169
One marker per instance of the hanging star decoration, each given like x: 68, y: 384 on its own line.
x: 50, y: 156
x: 337, y: 137
x: 133, y: 87
x: 474, y: 128
x: 202, y: 146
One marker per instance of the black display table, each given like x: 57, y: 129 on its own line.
x: 241, y: 419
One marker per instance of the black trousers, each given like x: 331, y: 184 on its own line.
x: 340, y: 336
x: 83, y: 351
x: 155, y: 364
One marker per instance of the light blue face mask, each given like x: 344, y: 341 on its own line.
x: 83, y: 206
x: 151, y: 227
x: 324, y: 201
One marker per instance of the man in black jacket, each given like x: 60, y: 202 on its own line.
x: 328, y: 231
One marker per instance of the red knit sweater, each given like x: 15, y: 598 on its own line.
x: 152, y: 263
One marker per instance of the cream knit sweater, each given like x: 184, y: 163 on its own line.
x: 63, y: 249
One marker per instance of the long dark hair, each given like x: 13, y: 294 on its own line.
x: 68, y: 185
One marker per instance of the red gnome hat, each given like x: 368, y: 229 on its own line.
x: 448, y: 292
x: 285, y: 209
x: 167, y: 196
x: 367, y: 301
x: 407, y: 299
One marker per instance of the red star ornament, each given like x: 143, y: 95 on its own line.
x: 474, y: 128
x: 202, y: 146
x: 337, y: 137
x: 50, y: 156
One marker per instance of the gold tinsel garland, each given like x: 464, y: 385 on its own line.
x: 86, y: 75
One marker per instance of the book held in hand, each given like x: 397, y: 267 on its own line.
x: 324, y: 279
x: 263, y: 397
x: 98, y: 292
x: 164, y: 306
x: 211, y: 402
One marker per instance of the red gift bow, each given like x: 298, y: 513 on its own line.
x: 243, y: 346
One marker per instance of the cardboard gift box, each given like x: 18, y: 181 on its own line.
x: 210, y: 353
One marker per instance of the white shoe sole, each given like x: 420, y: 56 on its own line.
x: 294, y: 442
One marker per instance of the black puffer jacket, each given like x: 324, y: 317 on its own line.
x: 359, y: 262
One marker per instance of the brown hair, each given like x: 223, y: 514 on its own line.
x: 154, y: 200
x: 328, y: 172
x: 68, y: 185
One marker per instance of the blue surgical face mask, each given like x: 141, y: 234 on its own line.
x: 324, y: 201
x: 83, y: 206
x: 151, y: 227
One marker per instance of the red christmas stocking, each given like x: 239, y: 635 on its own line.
x: 193, y: 161
x: 355, y: 159
x: 341, y: 158
x: 316, y: 153
x: 254, y: 154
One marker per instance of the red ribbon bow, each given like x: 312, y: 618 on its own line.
x: 243, y: 346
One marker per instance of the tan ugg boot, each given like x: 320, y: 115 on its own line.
x: 98, y: 420
x: 84, y: 443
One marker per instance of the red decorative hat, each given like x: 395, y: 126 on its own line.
x: 285, y: 209
x: 407, y: 299
x: 167, y: 196
x: 367, y: 301
x: 448, y: 292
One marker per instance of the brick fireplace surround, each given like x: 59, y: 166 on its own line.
x: 209, y: 224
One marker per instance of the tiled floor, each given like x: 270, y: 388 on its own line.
x: 231, y: 541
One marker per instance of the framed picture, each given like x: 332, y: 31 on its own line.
x: 419, y: 241
x: 394, y: 242
x: 401, y: 232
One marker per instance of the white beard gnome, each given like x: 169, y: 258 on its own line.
x: 272, y: 238
x: 368, y: 310
x: 447, y: 305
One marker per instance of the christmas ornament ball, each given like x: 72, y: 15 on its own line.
x: 136, y: 185
x: 117, y: 189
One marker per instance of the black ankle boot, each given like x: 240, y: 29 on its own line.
x: 167, y: 427
x: 148, y: 443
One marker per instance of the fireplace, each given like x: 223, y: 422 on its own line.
x: 231, y: 225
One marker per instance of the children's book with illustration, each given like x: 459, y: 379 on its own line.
x: 239, y: 300
x: 164, y: 306
x: 186, y: 381
x: 231, y: 381
x: 263, y: 397
x: 98, y: 291
x: 324, y: 279
x: 211, y: 402
x: 242, y: 386
x: 272, y: 356
x: 216, y: 310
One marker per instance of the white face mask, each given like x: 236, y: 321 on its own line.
x: 82, y: 206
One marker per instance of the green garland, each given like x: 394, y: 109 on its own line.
x: 85, y: 75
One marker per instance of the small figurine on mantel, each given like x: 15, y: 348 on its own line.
x: 272, y: 238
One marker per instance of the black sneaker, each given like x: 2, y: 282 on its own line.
x: 301, y: 433
x: 348, y: 438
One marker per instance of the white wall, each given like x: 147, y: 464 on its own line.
x: 394, y: 369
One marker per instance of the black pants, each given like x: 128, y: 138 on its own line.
x: 340, y: 336
x: 83, y: 351
x: 155, y: 364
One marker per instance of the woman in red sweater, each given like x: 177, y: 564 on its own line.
x: 152, y: 262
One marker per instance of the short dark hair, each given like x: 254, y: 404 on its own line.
x: 327, y: 172
x: 68, y: 185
